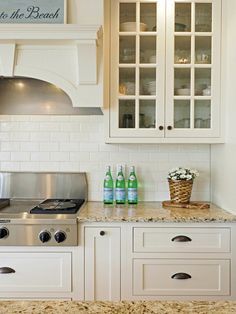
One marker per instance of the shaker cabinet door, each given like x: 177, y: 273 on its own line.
x: 102, y: 264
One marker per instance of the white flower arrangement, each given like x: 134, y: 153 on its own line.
x: 179, y: 173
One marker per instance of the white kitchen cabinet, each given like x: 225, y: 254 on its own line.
x: 35, y: 272
x: 39, y: 273
x: 140, y: 261
x: 102, y: 263
x: 182, y: 260
x: 185, y: 240
x: 155, y: 277
x: 164, y: 71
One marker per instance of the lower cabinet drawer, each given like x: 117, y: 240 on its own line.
x: 35, y: 272
x: 180, y: 277
x: 187, y: 240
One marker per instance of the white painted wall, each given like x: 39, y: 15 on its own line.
x: 223, y: 160
x: 85, y: 11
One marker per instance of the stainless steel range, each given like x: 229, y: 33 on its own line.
x: 40, y: 209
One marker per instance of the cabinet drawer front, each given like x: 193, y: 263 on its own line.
x: 35, y: 272
x: 181, y: 240
x: 163, y: 277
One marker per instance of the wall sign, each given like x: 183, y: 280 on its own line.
x: 33, y: 11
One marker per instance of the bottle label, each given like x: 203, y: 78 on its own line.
x: 120, y: 194
x: 108, y: 194
x: 132, y: 195
x: 132, y: 177
x: 107, y: 178
x: 120, y: 178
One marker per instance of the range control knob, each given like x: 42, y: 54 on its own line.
x: 44, y: 236
x: 4, y: 233
x: 60, y: 236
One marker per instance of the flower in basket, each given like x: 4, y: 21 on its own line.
x: 185, y: 174
x: 180, y: 184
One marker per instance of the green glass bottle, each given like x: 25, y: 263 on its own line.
x: 132, y: 187
x: 120, y: 187
x: 108, y: 187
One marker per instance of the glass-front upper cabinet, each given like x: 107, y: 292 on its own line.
x: 193, y: 68
x: 164, y: 70
x: 137, y: 68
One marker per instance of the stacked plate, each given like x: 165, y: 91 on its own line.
x: 150, y: 87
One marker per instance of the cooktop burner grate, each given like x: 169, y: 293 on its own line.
x: 58, y: 206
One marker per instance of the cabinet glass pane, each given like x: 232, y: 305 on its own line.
x: 202, y: 114
x: 203, y: 82
x: 203, y: 50
x: 128, y: 17
x: 147, y: 81
x: 148, y: 17
x: 182, y: 49
x: 203, y: 17
x: 126, y: 114
x: 147, y: 49
x: 127, y: 81
x: 127, y: 49
x: 182, y: 114
x: 182, y: 82
x: 147, y: 114
x: 182, y: 17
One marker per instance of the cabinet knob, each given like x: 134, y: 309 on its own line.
x: 169, y: 128
x: 102, y: 233
x: 181, y: 238
x: 161, y: 127
x: 181, y: 276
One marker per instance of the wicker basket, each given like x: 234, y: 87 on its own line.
x: 180, y: 191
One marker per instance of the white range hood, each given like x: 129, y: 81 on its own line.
x: 65, y: 55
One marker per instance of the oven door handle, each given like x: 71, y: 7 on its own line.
x: 7, y: 270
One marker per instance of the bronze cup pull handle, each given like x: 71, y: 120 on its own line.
x: 181, y: 238
x: 6, y: 270
x: 181, y: 276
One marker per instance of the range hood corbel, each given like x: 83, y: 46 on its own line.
x: 64, y: 55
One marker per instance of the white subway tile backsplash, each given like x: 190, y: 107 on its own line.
x: 49, y: 147
x: 76, y: 143
x: 69, y: 166
x: 49, y: 166
x: 59, y: 156
x: 79, y: 137
x: 10, y: 146
x: 29, y: 146
x: 79, y: 156
x: 5, y: 156
x: 99, y: 156
x: 70, y: 127
x: 39, y: 137
x: 10, y: 166
x: 69, y: 147
x: 49, y: 126
x: 29, y: 166
x: 40, y: 156
x: 60, y: 137
x: 20, y: 156
x: 19, y: 136
x: 89, y: 147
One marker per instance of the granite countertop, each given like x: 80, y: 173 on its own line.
x: 138, y: 307
x: 151, y: 212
